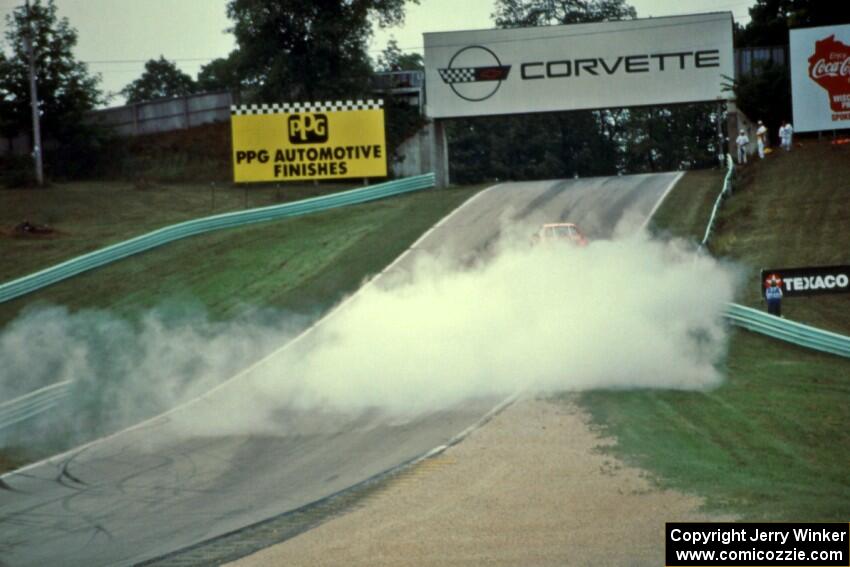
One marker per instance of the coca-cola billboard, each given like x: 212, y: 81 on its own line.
x: 820, y: 78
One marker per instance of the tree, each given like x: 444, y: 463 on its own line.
x: 529, y: 13
x: 668, y: 138
x: 220, y: 74
x: 66, y: 90
x: 305, y: 50
x: 770, y: 20
x: 394, y: 59
x: 160, y: 79
x: 750, y: 94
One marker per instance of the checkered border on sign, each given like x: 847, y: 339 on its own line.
x: 459, y: 75
x: 335, y: 106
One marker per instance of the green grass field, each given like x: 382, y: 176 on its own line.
x: 91, y: 215
x: 772, y: 442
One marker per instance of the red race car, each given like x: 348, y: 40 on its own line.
x: 560, y: 232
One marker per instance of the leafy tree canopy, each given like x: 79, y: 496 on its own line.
x: 161, y: 78
x: 770, y: 20
x: 308, y: 49
x: 66, y: 90
x: 220, y: 74
x: 394, y: 59
x: 528, y: 13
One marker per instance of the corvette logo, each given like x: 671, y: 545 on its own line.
x: 474, y: 73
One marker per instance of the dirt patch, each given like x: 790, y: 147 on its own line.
x: 530, y: 488
x: 26, y: 229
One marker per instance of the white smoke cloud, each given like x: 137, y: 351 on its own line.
x: 625, y: 313
x: 123, y: 371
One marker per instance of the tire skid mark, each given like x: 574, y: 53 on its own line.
x: 64, y: 473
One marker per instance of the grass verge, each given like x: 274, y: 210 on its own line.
x: 684, y: 212
x: 772, y: 442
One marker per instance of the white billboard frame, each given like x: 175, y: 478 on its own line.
x: 813, y: 56
x: 630, y: 63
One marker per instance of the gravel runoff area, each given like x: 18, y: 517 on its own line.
x: 531, y: 487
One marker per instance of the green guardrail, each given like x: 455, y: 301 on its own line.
x: 788, y: 331
x: 727, y: 189
x: 92, y: 260
x: 32, y: 404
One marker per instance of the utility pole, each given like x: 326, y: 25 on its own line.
x: 36, y: 124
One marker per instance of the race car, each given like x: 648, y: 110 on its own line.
x: 560, y: 232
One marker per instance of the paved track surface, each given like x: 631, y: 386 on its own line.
x: 170, y: 483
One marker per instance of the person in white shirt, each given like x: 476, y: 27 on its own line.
x: 786, y: 132
x: 742, y: 141
x: 761, y: 138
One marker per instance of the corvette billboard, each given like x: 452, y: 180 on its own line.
x: 601, y: 65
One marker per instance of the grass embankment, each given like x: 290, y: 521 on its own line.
x: 773, y: 441
x: 90, y: 215
x: 687, y: 207
x: 301, y: 265
x: 792, y: 210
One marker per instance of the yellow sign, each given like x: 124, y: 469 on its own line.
x: 288, y: 142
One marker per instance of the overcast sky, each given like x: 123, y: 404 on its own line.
x: 116, y: 37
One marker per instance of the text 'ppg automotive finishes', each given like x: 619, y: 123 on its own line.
x: 323, y: 140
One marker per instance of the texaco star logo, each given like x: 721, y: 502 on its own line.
x: 475, y: 73
x: 773, y: 278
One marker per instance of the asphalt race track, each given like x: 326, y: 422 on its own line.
x: 155, y: 489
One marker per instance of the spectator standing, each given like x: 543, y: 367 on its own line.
x: 773, y: 294
x: 761, y: 138
x: 742, y: 141
x: 786, y: 133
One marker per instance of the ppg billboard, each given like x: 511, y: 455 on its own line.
x: 602, y: 65
x: 820, y: 78
x: 333, y: 140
